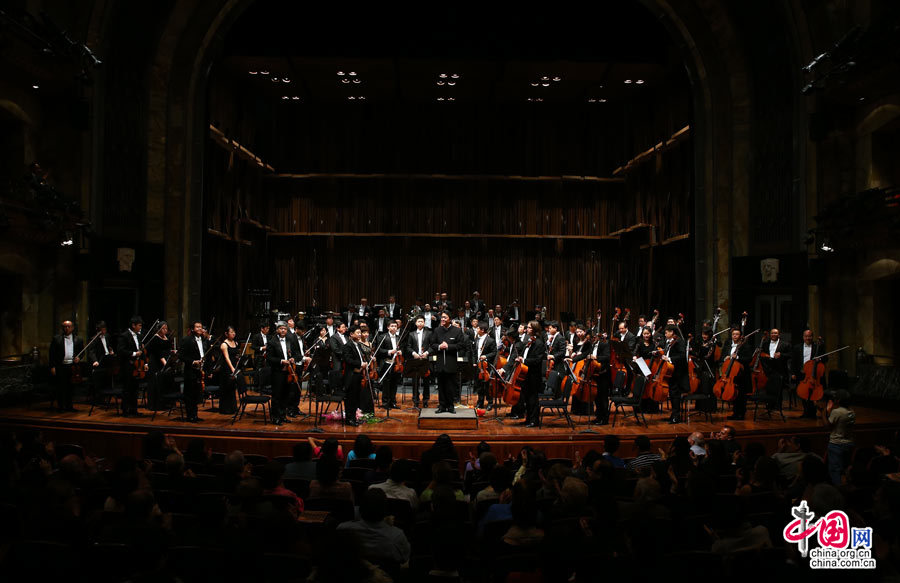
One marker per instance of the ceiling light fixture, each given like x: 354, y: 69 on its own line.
x: 440, y: 83
x: 357, y: 80
x: 263, y: 72
x: 451, y: 83
x: 295, y: 98
x: 35, y: 86
x: 557, y: 79
x: 275, y: 79
x: 285, y: 97
x: 451, y: 99
x: 345, y: 80
x: 285, y: 80
x: 628, y: 81
x: 639, y: 82
x: 253, y: 72
x: 352, y: 73
x: 535, y: 84
x: 443, y: 75
x: 545, y: 78
x: 545, y: 85
x: 341, y: 73
x: 455, y: 76
x: 440, y: 98
x: 350, y: 97
x: 362, y: 97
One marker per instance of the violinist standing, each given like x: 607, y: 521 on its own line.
x: 678, y: 382
x: 231, y: 353
x: 354, y: 359
x: 485, y: 350
x: 64, y: 350
x: 292, y: 390
x: 533, y: 355
x: 446, y: 341
x: 389, y: 348
x: 100, y: 356
x: 802, y: 354
x: 736, y: 347
x: 556, y: 353
x: 776, y: 363
x: 192, y: 351
x: 128, y: 349
x: 159, y: 350
x: 278, y: 357
x: 418, y: 345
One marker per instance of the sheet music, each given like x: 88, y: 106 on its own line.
x: 642, y: 365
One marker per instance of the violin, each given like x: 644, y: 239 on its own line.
x: 139, y: 371
x: 658, y: 385
x: 725, y: 388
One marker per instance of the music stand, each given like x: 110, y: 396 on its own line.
x: 387, y: 410
x: 496, y: 408
x: 416, y: 369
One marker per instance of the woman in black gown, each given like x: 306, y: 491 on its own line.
x: 159, y: 350
x: 231, y: 352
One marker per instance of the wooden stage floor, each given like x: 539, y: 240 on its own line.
x: 105, y: 432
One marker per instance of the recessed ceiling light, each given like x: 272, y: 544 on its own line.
x: 362, y: 97
x: 535, y: 84
x: 263, y: 72
x: 640, y: 81
x: 443, y: 75
x: 285, y: 80
x: 345, y: 80
x: 557, y: 79
x: 352, y: 73
x: 253, y: 72
x: 592, y: 100
x: 451, y: 99
x: 451, y: 83
x: 440, y: 83
x: 295, y: 98
x: 545, y: 85
x: 545, y: 78
x: 275, y: 79
x: 350, y: 97
x: 285, y: 97
x: 455, y: 76
x: 35, y: 86
x: 357, y: 80
x: 602, y: 100
x: 440, y: 98
x: 341, y: 73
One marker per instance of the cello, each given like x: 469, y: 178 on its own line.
x: 513, y: 387
x: 725, y: 388
x: 661, y: 371
x: 693, y: 378
x: 812, y: 387
x: 758, y: 377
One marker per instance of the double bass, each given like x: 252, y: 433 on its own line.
x: 585, y: 385
x: 725, y: 388
x: 693, y: 378
x: 758, y: 377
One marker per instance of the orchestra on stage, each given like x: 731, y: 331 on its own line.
x: 514, y: 363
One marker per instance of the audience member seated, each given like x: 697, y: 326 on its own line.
x: 198, y: 453
x: 328, y: 448
x: 379, y: 539
x: 731, y: 533
x: 644, y: 458
x: 480, y: 472
x: 363, y: 449
x: 442, y: 475
x: 395, y: 486
x: 763, y: 478
x: 303, y: 467
x: 524, y: 532
x: 341, y: 559
x: 610, y: 447
x: 384, y: 457
x: 157, y: 445
x: 500, y: 482
x: 326, y: 484
x: 273, y: 483
x: 442, y: 449
x: 234, y: 470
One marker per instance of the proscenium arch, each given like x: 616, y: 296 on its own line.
x: 193, y: 40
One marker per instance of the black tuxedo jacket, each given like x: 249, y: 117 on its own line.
x: 412, y: 341
x: 95, y: 353
x: 796, y: 364
x: 677, y: 355
x: 125, y: 348
x: 58, y: 349
x: 446, y: 359
x: 380, y: 327
x: 384, y: 343
x: 188, y: 352
x: 535, y: 357
x: 274, y: 354
x: 256, y: 341
x: 587, y: 349
x: 777, y: 365
x: 630, y: 340
x: 558, y: 350
x: 337, y: 347
x: 744, y: 352
x: 489, y: 350
x: 351, y: 355
x: 392, y: 314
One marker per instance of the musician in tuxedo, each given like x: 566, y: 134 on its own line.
x: 329, y: 327
x: 389, y: 348
x: 572, y: 334
x: 292, y: 390
x: 418, y: 346
x: 468, y: 311
x: 191, y: 352
x: 353, y: 358
x: 392, y: 308
x: 279, y: 356
x: 674, y: 353
x: 64, y: 354
x: 775, y: 356
x: 478, y: 305
x: 363, y: 312
x: 128, y: 348
x: 800, y: 355
x: 336, y: 343
x: 381, y: 322
x: 597, y: 348
x: 446, y: 342
x: 484, y: 350
x: 513, y: 314
x: 626, y: 336
x: 556, y: 357
x: 429, y: 317
x: 259, y: 342
x: 100, y: 355
x: 497, y: 331
x: 534, y: 353
x: 738, y: 348
x: 446, y: 304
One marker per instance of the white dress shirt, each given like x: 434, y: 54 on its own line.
x: 69, y: 354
